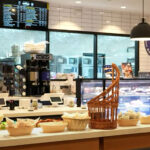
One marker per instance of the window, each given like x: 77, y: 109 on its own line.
x: 72, y: 53
x: 116, y: 49
x: 12, y: 41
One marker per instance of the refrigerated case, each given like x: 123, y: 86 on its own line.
x: 90, y: 89
x: 134, y: 94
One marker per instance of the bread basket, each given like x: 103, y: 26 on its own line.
x: 19, y: 131
x: 127, y: 122
x: 76, y: 124
x: 51, y: 127
x: 145, y: 120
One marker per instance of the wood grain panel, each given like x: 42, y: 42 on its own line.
x: 87, y: 144
x: 127, y: 142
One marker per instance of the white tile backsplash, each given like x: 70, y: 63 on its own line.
x: 96, y: 20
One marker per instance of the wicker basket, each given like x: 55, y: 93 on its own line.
x: 145, y: 120
x: 19, y: 131
x: 130, y: 122
x: 76, y: 124
x: 51, y: 127
x: 103, y: 108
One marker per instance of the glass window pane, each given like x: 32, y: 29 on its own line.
x: 12, y: 41
x: 116, y: 49
x: 72, y: 53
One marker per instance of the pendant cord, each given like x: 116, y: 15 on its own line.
x: 143, y: 9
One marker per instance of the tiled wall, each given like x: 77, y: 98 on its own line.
x: 86, y: 19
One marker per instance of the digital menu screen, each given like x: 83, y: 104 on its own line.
x: 24, y: 14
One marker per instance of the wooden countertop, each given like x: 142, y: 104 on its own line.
x: 38, y: 137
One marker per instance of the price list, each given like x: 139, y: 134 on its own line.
x: 25, y: 14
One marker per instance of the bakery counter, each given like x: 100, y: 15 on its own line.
x: 122, y: 138
x: 45, y: 111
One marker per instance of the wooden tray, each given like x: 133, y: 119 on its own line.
x: 130, y: 122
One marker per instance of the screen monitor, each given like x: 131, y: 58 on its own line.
x: 24, y: 14
x: 56, y: 99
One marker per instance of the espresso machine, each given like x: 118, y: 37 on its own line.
x: 37, y: 73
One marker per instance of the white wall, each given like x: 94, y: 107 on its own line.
x: 86, y: 19
x: 144, y: 59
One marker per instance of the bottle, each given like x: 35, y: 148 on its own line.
x: 35, y: 104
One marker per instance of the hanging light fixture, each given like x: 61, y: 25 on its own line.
x: 141, y: 32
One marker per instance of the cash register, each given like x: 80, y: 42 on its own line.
x: 54, y: 99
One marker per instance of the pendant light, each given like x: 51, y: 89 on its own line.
x: 141, y: 32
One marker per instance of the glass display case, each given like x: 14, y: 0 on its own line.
x: 89, y: 89
x: 134, y: 94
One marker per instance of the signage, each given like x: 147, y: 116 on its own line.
x: 24, y: 14
x: 147, y: 46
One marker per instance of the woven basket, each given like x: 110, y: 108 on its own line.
x: 130, y: 122
x: 19, y: 131
x: 51, y: 127
x: 103, y: 108
x: 76, y: 124
x: 145, y: 120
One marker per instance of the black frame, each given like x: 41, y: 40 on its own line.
x: 95, y: 46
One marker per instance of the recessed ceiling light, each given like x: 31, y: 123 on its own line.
x: 123, y: 7
x: 78, y: 2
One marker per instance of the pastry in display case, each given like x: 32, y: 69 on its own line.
x: 134, y: 95
x: 90, y: 89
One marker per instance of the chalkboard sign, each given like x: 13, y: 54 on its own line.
x: 24, y: 14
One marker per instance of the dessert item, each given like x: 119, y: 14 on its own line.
x: 145, y: 119
x: 76, y: 121
x: 50, y: 127
x: 76, y: 115
x: 129, y: 118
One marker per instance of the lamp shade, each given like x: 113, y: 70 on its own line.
x: 141, y: 32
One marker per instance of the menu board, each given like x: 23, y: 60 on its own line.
x: 24, y: 14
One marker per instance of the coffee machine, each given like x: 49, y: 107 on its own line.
x: 37, y: 73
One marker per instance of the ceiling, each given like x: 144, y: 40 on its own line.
x: 134, y: 6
